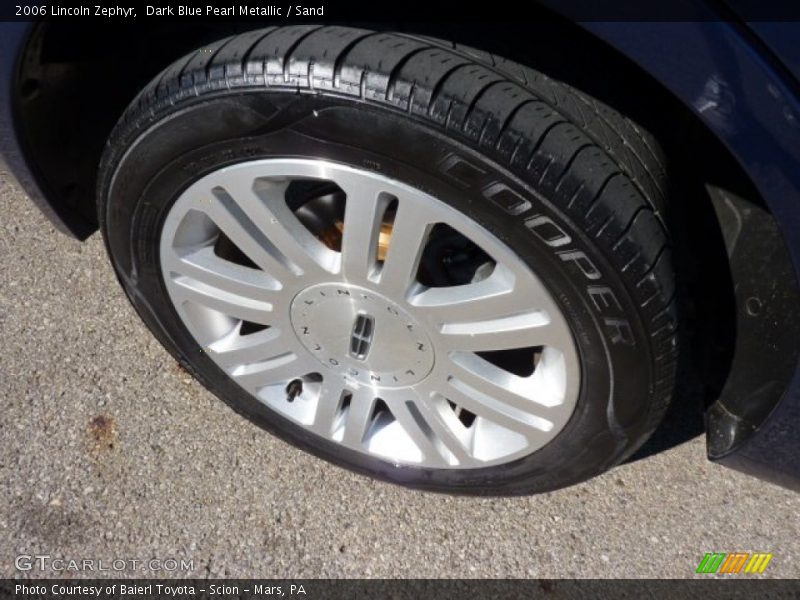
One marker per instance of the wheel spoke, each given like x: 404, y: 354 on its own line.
x: 328, y: 405
x: 204, y: 266
x: 235, y: 349
x: 358, y: 417
x: 504, y: 333
x: 489, y: 408
x: 264, y: 204
x: 277, y: 369
x: 409, y: 234
x: 502, y: 397
x: 235, y: 224
x: 532, y: 393
x: 231, y: 304
x: 492, y: 314
x: 362, y: 224
x: 430, y: 433
x: 486, y: 299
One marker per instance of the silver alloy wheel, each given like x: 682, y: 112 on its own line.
x: 345, y: 341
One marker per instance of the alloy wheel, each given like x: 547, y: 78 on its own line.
x: 370, y: 313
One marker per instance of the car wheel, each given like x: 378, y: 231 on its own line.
x: 419, y: 261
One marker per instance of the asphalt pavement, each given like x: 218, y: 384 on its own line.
x: 109, y: 451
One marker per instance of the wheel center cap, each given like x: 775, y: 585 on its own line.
x: 362, y: 335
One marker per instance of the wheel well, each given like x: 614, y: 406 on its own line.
x: 75, y: 82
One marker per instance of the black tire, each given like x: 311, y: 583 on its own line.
x: 574, y: 187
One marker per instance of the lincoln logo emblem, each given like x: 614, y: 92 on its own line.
x: 361, y: 337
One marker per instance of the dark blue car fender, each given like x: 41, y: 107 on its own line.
x: 750, y: 101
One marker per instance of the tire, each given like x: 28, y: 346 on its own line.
x: 573, y: 190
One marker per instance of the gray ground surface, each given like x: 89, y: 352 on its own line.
x: 169, y: 471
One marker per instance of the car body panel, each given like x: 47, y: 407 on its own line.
x: 781, y: 39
